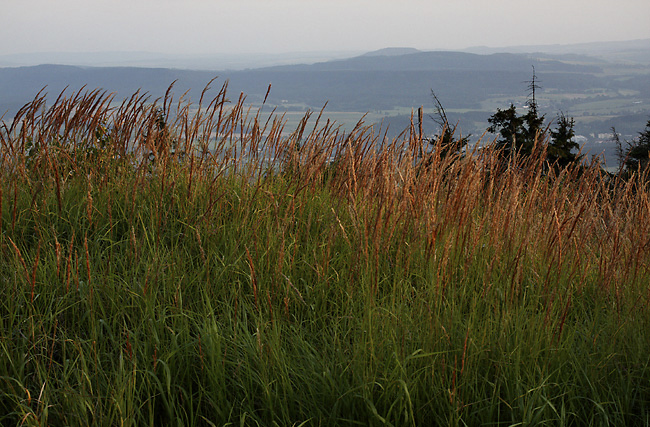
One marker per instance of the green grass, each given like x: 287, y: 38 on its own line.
x: 211, y: 288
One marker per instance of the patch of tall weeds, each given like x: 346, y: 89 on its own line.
x: 165, y: 262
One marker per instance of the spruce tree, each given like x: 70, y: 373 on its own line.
x: 637, y: 155
x: 560, y: 149
x: 518, y: 133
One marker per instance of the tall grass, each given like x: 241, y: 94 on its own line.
x: 222, y: 269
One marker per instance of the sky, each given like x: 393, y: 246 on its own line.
x: 281, y: 26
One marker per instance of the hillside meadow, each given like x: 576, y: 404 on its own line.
x: 165, y: 268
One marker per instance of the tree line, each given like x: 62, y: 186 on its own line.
x: 518, y: 134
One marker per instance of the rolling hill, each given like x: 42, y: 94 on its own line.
x: 597, y: 90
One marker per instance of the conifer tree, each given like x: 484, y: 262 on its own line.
x: 560, y: 149
x: 636, y: 156
x: 449, y: 141
x: 518, y: 133
x: 521, y: 133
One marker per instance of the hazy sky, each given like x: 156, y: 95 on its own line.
x: 278, y: 26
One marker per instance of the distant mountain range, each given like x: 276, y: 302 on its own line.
x: 375, y: 80
x: 413, y: 60
x: 632, y: 51
x: 232, y: 61
x: 599, y: 83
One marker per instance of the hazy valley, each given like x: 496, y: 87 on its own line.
x: 601, y: 85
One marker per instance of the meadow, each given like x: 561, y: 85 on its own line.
x: 152, y: 275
